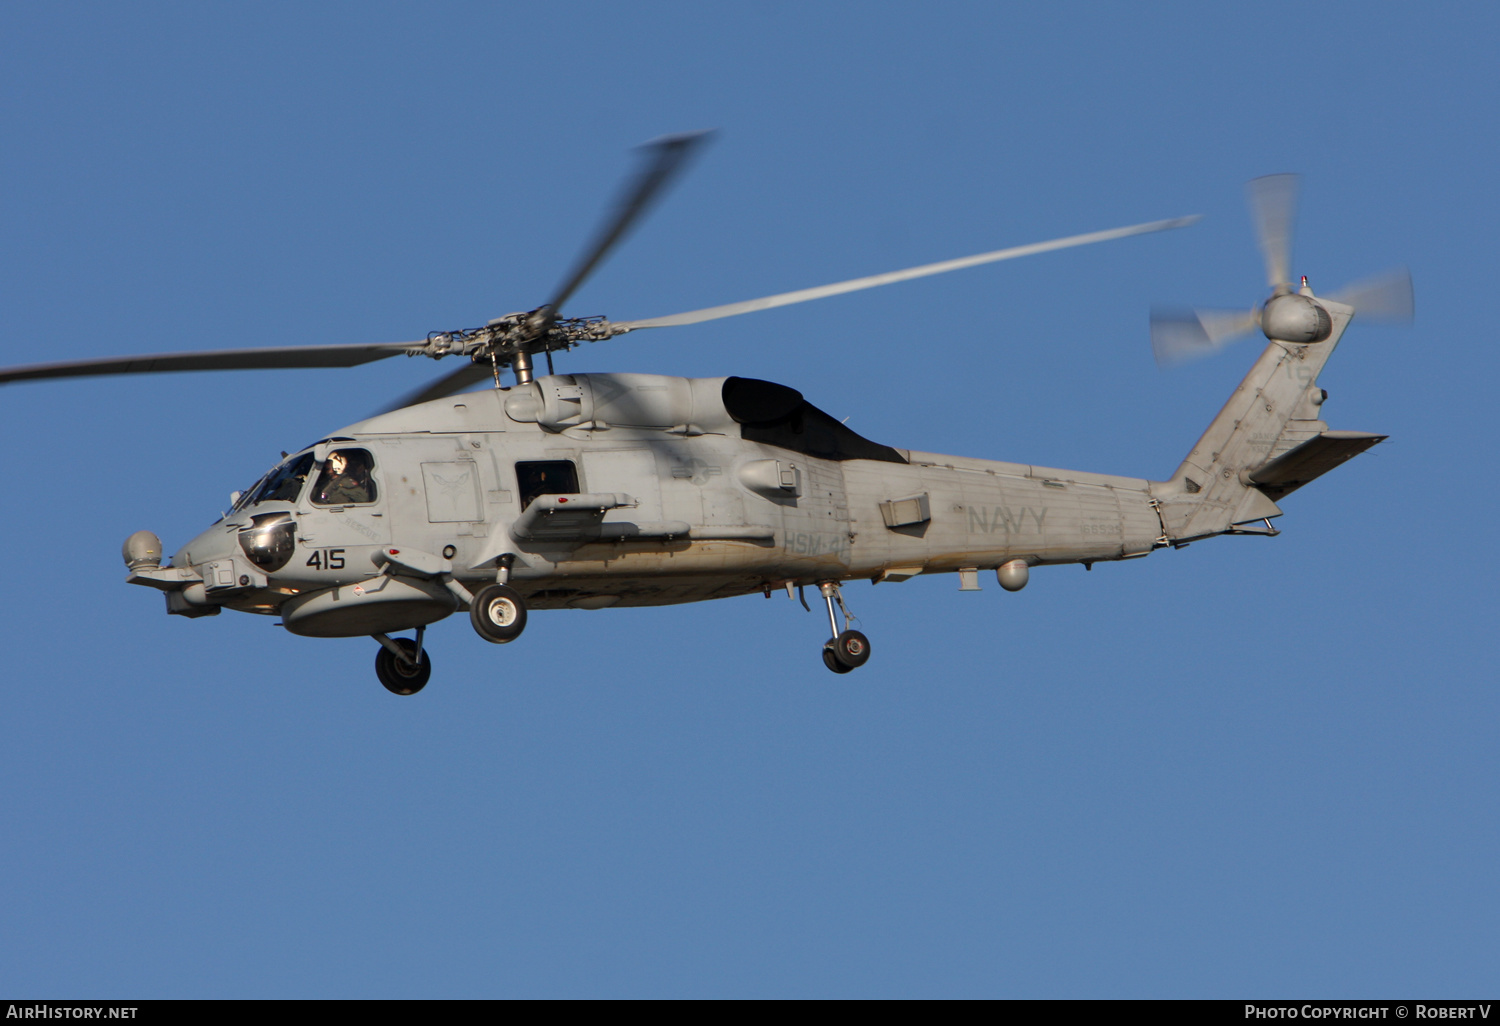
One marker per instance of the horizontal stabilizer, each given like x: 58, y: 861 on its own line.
x: 1313, y: 458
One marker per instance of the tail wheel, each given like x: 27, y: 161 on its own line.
x: 498, y: 613
x: 405, y: 676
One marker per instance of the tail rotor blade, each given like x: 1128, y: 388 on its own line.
x: 1181, y: 335
x: 1273, y: 207
x: 1385, y: 297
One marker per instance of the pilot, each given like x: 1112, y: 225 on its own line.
x: 346, y: 480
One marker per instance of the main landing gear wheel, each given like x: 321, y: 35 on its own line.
x: 498, y: 613
x: 404, y: 676
x: 850, y: 650
x: 847, y: 649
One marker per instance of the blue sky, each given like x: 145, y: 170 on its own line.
x: 1250, y: 767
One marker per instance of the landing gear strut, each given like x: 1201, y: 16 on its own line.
x: 497, y: 611
x: 401, y: 664
x: 847, y: 649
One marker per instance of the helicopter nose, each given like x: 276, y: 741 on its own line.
x: 215, y: 543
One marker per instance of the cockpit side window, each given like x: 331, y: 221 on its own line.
x: 282, y: 484
x: 346, y: 479
x: 545, y: 477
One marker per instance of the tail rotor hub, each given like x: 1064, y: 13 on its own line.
x: 1292, y: 314
x: 1295, y: 318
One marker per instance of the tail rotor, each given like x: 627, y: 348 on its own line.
x: 1180, y: 335
x: 1273, y: 208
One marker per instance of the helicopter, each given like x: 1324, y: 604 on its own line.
x: 590, y: 491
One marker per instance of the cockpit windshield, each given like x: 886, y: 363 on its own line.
x: 283, y: 484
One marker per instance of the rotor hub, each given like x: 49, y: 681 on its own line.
x: 1295, y: 318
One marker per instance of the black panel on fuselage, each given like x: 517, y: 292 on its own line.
x: 777, y: 415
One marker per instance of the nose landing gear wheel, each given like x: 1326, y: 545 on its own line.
x: 851, y: 649
x: 403, y: 676
x: 498, y: 613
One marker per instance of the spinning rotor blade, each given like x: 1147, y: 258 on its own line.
x: 225, y: 359
x: 1385, y: 297
x: 1273, y: 206
x: 667, y: 156
x: 854, y: 285
x: 454, y: 381
x: 1180, y: 335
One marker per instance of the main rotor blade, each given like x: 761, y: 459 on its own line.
x: 1179, y: 335
x: 891, y: 277
x: 1385, y: 297
x: 454, y: 381
x: 666, y: 157
x: 224, y: 359
x: 1273, y: 207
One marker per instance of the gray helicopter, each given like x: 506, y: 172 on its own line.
x: 597, y: 490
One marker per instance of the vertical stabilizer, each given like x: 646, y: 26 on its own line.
x: 1273, y: 411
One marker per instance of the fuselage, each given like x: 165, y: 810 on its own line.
x: 712, y: 488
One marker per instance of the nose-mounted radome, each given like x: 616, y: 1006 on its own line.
x: 268, y: 540
x: 142, y: 551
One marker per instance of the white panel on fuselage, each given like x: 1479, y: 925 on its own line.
x: 628, y: 471
x: 452, y: 492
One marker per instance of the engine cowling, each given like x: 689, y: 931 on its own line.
x: 1292, y: 318
x: 689, y: 406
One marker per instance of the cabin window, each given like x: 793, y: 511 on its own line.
x: 545, y: 477
x: 346, y: 479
